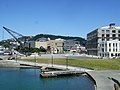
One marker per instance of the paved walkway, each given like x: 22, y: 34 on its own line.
x: 102, y: 81
x: 55, y: 66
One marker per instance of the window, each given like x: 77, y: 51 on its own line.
x: 109, y: 50
x: 103, y: 39
x: 116, y: 44
x: 118, y: 35
x: 102, y: 49
x: 113, y: 49
x: 118, y: 31
x: 102, y: 31
x: 112, y: 54
x: 109, y: 44
x: 113, y: 31
x: 107, y: 35
x: 113, y: 35
x: 102, y: 45
x: 113, y: 44
x: 107, y: 31
x: 103, y: 35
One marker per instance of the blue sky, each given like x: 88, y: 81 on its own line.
x: 59, y: 17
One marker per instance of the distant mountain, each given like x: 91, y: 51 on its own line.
x: 52, y: 37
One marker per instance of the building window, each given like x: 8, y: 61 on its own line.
x: 112, y: 54
x: 107, y: 35
x: 113, y: 35
x: 102, y: 31
x: 103, y: 39
x: 107, y: 31
x: 113, y: 31
x: 103, y: 35
x: 102, y: 45
x: 118, y: 35
x: 103, y: 55
x: 109, y: 50
x: 109, y: 44
x: 118, y: 31
x: 116, y: 44
x: 113, y: 49
x: 102, y: 49
x: 113, y: 44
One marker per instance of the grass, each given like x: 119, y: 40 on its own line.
x: 96, y: 64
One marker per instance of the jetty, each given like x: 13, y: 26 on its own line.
x: 60, y: 73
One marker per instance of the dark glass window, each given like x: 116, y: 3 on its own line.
x: 118, y: 35
x: 113, y: 31
x: 107, y: 35
x: 103, y: 35
x: 113, y: 35
x: 118, y: 31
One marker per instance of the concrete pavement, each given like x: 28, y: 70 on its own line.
x: 102, y: 80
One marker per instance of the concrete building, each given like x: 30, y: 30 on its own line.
x: 55, y: 46
x: 41, y: 42
x: 69, y: 44
x: 104, y: 42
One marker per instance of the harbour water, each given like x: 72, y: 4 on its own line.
x: 28, y: 79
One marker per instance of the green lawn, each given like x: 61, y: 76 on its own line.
x: 97, y: 64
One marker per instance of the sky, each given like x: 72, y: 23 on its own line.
x: 58, y: 17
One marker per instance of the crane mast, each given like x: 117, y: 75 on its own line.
x: 11, y: 32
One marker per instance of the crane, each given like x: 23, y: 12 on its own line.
x: 11, y: 32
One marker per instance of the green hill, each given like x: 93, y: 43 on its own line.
x: 52, y: 37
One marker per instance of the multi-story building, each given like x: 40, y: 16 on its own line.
x: 41, y: 42
x: 55, y: 46
x: 69, y: 44
x: 52, y: 46
x: 104, y: 42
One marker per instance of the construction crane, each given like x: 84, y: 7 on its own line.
x: 11, y: 32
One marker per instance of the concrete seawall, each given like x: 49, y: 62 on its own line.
x: 9, y: 63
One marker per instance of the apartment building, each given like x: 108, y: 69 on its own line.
x: 104, y: 42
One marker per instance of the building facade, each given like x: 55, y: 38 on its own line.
x: 104, y: 42
x: 55, y: 46
x: 69, y: 44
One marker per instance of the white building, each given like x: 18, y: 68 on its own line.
x: 104, y: 42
